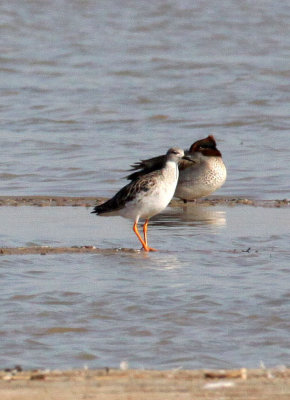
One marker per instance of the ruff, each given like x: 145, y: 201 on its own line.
x: 147, y: 195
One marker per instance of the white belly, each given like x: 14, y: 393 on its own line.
x: 148, y: 204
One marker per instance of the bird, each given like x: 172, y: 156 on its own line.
x: 202, y: 176
x: 147, y: 195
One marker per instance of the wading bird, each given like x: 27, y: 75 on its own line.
x: 147, y: 194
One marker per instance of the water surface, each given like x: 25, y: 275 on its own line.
x: 216, y: 295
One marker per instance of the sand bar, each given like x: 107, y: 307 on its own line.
x: 61, y: 201
x: 44, y: 250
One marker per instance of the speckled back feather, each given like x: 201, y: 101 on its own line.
x: 128, y: 193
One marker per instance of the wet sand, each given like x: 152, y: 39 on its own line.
x: 61, y: 201
x: 260, y: 384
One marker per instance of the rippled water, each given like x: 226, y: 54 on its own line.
x: 88, y: 88
x: 216, y: 295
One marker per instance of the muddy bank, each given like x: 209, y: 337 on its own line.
x: 61, y: 201
x: 49, y: 201
x: 111, y: 384
x: 44, y: 250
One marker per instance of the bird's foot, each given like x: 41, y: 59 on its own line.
x: 147, y: 248
x: 152, y: 249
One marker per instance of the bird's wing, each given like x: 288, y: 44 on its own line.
x: 128, y: 193
x: 144, y: 167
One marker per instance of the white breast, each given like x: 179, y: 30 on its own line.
x: 148, y: 204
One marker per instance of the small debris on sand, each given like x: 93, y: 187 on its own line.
x: 117, y: 384
x: 219, y: 385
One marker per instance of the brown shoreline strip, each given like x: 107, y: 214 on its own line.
x: 242, y: 373
x: 113, y: 384
x: 49, y: 201
x: 44, y: 250
x: 62, y: 201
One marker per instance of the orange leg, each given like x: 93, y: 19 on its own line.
x: 144, y: 244
x: 135, y: 229
x: 145, y: 228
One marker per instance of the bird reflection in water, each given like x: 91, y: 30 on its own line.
x: 192, y: 215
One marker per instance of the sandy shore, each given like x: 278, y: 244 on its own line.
x: 107, y: 384
x: 61, y: 201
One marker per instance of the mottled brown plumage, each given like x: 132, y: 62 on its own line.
x: 141, y: 184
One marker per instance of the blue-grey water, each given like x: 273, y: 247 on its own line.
x: 87, y: 88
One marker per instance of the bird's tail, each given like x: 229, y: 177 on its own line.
x: 95, y: 210
x: 99, y: 209
x: 111, y: 205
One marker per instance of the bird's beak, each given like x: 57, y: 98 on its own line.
x: 188, y: 158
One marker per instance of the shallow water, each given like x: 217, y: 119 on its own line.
x: 88, y: 88
x: 215, y: 295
